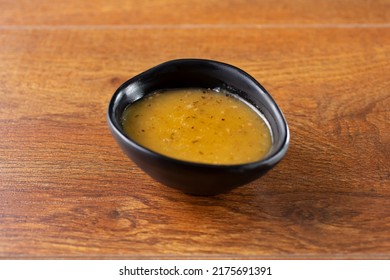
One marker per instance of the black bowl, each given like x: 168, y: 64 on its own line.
x: 190, y: 177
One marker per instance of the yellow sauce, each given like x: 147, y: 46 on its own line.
x: 198, y: 125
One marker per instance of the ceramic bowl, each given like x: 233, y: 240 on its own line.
x: 190, y: 177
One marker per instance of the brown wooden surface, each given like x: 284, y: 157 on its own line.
x: 67, y: 191
x: 98, y: 12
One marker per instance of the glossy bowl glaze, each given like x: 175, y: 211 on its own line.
x: 190, y: 177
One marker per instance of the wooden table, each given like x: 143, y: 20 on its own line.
x: 68, y: 191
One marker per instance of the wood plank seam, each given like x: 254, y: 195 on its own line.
x: 195, y: 26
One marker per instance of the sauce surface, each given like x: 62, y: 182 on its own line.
x: 198, y: 125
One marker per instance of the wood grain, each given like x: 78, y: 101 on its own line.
x: 67, y: 191
x: 162, y: 12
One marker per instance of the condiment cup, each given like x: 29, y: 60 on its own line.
x: 192, y: 177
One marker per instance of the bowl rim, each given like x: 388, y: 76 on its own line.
x: 269, y: 160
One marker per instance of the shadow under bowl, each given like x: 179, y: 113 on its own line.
x: 190, y: 177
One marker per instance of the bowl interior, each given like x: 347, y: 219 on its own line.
x: 196, y: 73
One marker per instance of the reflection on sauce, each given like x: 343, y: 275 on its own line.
x: 198, y: 125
